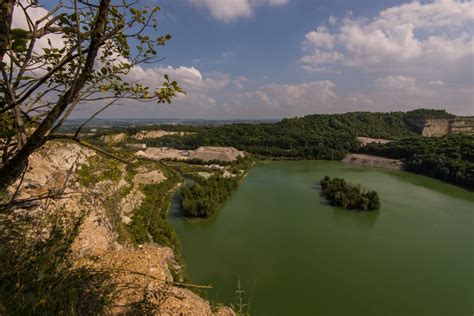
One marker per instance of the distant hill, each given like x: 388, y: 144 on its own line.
x: 319, y: 136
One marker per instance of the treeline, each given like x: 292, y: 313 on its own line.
x: 450, y: 158
x: 428, y: 114
x: 341, y: 193
x: 322, y: 136
x: 205, y: 196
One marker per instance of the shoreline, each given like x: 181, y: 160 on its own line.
x: 373, y: 161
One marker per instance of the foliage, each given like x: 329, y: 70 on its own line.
x: 340, y: 193
x: 450, y: 158
x: 319, y: 136
x: 149, y: 221
x: 428, y: 114
x: 204, y: 196
x: 43, y: 80
x: 37, y: 274
x: 240, y: 307
x: 97, y: 169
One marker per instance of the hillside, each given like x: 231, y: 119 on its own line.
x: 320, y: 136
x: 113, y: 249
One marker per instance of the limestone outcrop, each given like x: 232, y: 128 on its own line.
x: 144, y: 268
x: 374, y: 161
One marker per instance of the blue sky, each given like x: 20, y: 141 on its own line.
x: 284, y: 58
x: 265, y: 44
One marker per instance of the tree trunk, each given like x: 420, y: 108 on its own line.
x: 6, y: 14
x: 10, y: 171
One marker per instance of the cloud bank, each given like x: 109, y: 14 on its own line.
x: 406, y: 38
x: 231, y: 10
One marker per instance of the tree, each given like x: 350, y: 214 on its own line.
x: 77, y: 53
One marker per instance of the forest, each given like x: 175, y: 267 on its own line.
x: 320, y: 136
x: 450, y: 158
x: 203, y: 197
x: 332, y: 136
x: 341, y: 193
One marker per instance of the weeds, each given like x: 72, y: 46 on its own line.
x: 37, y: 274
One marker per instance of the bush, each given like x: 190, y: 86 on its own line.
x: 37, y: 274
x: 449, y: 158
x: 205, y: 196
x: 340, y: 193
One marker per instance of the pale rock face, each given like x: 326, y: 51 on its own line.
x: 151, y: 177
x: 114, y: 138
x: 48, y: 172
x: 53, y: 168
x: 373, y: 161
x: 367, y: 140
x: 202, y: 153
x: 153, y: 134
x: 132, y: 201
x: 436, y: 128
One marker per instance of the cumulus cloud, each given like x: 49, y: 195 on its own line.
x: 202, y: 90
x: 403, y: 84
x: 230, y: 10
x: 283, y: 100
x: 408, y: 36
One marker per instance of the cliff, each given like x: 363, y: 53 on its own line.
x: 139, y: 269
x: 441, y: 127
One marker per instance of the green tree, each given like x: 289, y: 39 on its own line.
x: 41, y: 86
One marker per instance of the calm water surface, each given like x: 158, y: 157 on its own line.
x: 303, y: 257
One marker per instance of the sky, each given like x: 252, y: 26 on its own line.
x: 267, y: 59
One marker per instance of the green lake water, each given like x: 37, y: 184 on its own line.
x: 301, y: 256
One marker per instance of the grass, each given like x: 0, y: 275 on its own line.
x: 38, y: 276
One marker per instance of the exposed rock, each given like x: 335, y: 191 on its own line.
x: 142, y: 268
x: 367, y: 140
x: 202, y: 153
x: 152, y: 177
x: 147, y: 267
x: 463, y: 124
x: 217, y: 153
x: 113, y: 138
x: 132, y: 201
x: 374, y: 161
x: 153, y: 134
x: 441, y: 127
x: 436, y: 127
x: 225, y: 311
x: 154, y: 153
x: 52, y: 168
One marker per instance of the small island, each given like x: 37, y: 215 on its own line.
x: 341, y: 193
x: 205, y: 196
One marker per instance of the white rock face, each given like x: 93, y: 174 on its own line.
x: 114, y: 138
x: 54, y: 168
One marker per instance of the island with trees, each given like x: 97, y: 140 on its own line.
x: 203, y: 197
x: 341, y: 193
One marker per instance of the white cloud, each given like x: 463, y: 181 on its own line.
x: 230, y: 10
x: 319, y: 38
x: 36, y: 13
x: 411, y: 36
x: 436, y: 83
x: 403, y: 84
x: 283, y: 100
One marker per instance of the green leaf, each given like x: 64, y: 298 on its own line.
x: 19, y: 45
x: 19, y: 33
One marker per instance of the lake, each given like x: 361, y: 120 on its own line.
x: 297, y: 255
